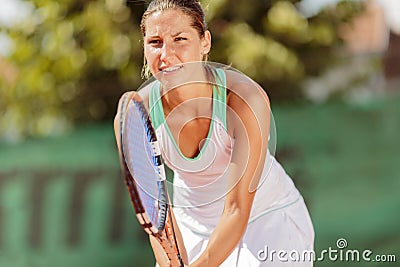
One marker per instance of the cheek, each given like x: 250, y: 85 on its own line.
x: 191, y: 52
x: 150, y: 53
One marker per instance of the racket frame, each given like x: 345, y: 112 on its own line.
x: 164, y: 233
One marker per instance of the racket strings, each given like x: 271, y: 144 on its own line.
x: 133, y: 193
x: 145, y: 175
x: 129, y: 182
x: 146, y: 167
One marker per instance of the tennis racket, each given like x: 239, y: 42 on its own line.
x: 144, y: 173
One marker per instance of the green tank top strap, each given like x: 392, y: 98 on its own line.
x: 155, y: 105
x: 219, y: 95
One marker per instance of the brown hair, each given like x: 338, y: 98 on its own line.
x: 192, y: 8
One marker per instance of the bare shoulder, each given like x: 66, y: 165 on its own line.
x: 245, y: 93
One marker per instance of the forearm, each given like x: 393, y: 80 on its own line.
x: 224, y: 238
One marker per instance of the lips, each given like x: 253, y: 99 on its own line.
x: 171, y: 69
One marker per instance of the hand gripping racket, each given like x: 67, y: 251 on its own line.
x: 144, y: 173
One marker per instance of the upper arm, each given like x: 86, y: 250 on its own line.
x: 248, y: 117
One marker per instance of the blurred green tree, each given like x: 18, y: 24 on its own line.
x: 72, y: 59
x: 274, y: 43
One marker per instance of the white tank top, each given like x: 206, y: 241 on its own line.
x: 201, y: 183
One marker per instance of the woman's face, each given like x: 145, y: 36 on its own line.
x: 171, y: 41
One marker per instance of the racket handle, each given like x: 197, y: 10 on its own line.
x: 176, y: 263
x: 175, y: 260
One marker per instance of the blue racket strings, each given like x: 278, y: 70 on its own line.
x: 145, y: 163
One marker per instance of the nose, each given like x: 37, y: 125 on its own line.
x: 167, y: 50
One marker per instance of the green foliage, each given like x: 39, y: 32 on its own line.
x: 273, y: 43
x: 262, y: 57
x: 73, y: 59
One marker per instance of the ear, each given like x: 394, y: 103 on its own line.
x: 206, y: 42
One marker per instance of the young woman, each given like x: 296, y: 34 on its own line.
x: 233, y: 202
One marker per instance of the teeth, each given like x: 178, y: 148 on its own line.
x: 172, y: 68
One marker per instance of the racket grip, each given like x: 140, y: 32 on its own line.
x: 174, y: 258
x: 176, y: 263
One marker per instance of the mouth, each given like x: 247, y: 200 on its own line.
x: 171, y: 69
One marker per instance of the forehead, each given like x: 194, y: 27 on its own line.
x: 168, y: 21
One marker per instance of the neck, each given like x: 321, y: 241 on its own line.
x: 180, y: 95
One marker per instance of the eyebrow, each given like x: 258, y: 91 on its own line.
x: 176, y: 34
x: 173, y: 35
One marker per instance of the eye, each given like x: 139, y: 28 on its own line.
x: 180, y: 39
x: 154, y: 42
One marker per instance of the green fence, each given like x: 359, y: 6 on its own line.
x: 63, y: 201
